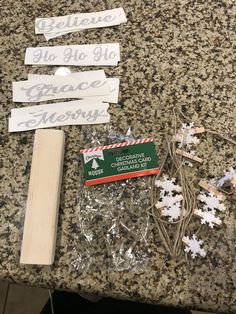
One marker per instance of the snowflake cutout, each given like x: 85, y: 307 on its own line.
x: 187, y: 162
x: 212, y: 202
x: 186, y: 140
x: 229, y: 176
x: 213, y: 182
x: 208, y: 217
x: 186, y: 126
x: 168, y: 201
x: 173, y: 212
x: 194, y: 246
x: 185, y: 137
x: 170, y: 198
x: 168, y: 185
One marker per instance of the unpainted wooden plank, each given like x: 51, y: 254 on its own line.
x: 40, y: 228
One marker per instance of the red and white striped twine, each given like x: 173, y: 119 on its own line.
x: 89, y: 150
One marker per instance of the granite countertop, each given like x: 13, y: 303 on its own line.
x: 174, y: 54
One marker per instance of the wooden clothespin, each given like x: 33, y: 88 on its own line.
x: 207, y: 217
x: 188, y: 155
x: 192, y: 131
x: 211, y: 189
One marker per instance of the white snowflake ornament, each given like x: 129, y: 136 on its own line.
x: 186, y: 126
x: 168, y: 201
x: 229, y: 176
x: 186, y: 140
x: 170, y: 198
x: 194, y: 246
x: 173, y: 212
x: 212, y: 202
x: 187, y: 162
x: 168, y: 185
x: 210, y: 187
x: 185, y: 137
x: 208, y: 217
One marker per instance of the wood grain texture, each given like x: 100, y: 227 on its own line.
x: 188, y: 155
x: 211, y: 189
x: 40, y: 228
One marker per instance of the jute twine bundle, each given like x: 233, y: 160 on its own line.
x: 171, y: 233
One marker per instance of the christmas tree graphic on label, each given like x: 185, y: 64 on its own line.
x: 94, y: 156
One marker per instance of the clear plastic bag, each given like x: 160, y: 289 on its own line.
x: 112, y: 222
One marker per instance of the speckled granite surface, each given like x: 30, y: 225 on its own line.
x: 174, y: 53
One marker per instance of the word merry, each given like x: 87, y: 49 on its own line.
x: 70, y: 113
x: 40, y: 117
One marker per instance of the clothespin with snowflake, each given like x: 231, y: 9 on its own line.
x: 212, y: 202
x: 229, y: 177
x: 211, y: 188
x: 170, y: 198
x: 208, y: 217
x: 186, y: 140
x: 189, y: 155
x: 208, y: 212
x: 185, y: 136
x: 194, y: 246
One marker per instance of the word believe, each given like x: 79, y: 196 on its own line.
x: 80, y: 21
